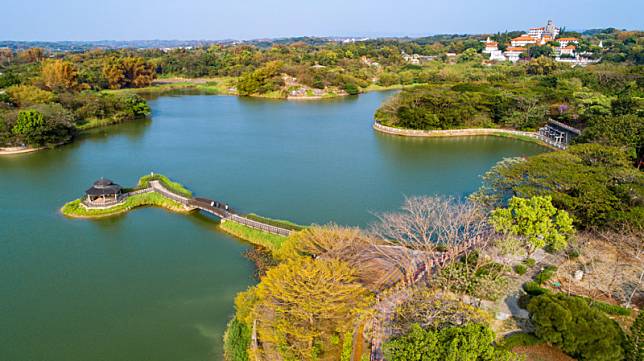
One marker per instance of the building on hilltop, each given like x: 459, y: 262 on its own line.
x: 513, y: 53
x: 536, y: 33
x: 523, y: 40
x: 490, y: 46
x: 551, y: 29
x: 566, y: 41
x: 566, y: 50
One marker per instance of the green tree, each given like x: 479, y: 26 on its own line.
x: 542, y: 65
x: 26, y: 95
x: 535, y: 222
x: 469, y: 54
x: 620, y: 131
x: 29, y: 125
x: 538, y: 51
x: 579, y: 330
x: 472, y: 342
x: 596, y: 184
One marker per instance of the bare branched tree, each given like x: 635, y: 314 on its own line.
x: 426, y: 226
x: 613, y: 266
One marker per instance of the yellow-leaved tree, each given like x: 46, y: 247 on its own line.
x: 304, y: 303
x: 59, y: 75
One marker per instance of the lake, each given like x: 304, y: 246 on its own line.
x: 152, y: 285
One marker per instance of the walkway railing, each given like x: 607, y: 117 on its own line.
x: 387, y: 306
x: 218, y: 209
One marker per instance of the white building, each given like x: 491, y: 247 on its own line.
x: 536, y: 33
x: 566, y: 41
x: 513, y: 53
x: 490, y: 46
x: 523, y: 40
x: 566, y: 50
x: 497, y: 55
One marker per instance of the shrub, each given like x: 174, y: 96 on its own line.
x: 469, y: 342
x: 236, y: 341
x: 25, y: 95
x: 635, y: 341
x: 351, y: 89
x: 520, y: 339
x: 530, y: 262
x: 611, y: 309
x: 524, y: 300
x: 347, y: 347
x: 607, y: 307
x: 533, y: 289
x: 579, y: 330
x: 520, y: 269
x: 545, y: 275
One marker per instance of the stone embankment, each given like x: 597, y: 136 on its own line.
x: 456, y: 132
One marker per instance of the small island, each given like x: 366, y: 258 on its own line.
x: 106, y: 198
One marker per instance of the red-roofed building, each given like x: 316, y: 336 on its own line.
x: 523, y: 40
x: 567, y: 50
x: 490, y: 46
x: 536, y: 33
x: 565, y: 41
x: 513, y: 53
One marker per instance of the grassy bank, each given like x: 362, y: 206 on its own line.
x: 276, y: 222
x: 76, y: 209
x: 211, y: 86
x: 267, y: 240
x: 172, y: 186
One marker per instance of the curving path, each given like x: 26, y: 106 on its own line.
x: 217, y: 208
x: 385, y: 307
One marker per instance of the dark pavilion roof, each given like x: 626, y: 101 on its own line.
x: 103, y: 187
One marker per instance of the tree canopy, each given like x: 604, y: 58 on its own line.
x: 579, y: 330
x: 472, y: 342
x: 596, y: 184
x: 535, y: 222
x: 300, y: 304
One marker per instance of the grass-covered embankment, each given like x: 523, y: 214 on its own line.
x: 270, y: 241
x: 172, y: 186
x: 76, y: 209
x: 276, y: 222
x: 208, y: 86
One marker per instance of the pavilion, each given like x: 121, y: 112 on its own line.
x: 103, y: 192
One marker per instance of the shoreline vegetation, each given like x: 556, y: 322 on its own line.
x: 226, y: 86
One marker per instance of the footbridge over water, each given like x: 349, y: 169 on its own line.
x: 219, y: 209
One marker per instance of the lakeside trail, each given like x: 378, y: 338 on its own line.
x: 532, y: 137
x: 385, y: 308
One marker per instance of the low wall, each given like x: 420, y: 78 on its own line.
x: 18, y: 150
x: 453, y: 132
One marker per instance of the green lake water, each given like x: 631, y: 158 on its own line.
x: 152, y: 285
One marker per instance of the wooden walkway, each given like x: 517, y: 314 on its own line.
x: 217, y: 208
x: 386, y: 306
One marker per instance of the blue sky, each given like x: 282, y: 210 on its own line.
x: 249, y: 19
